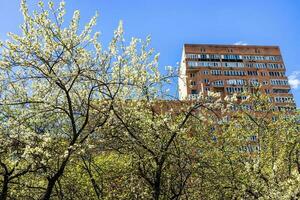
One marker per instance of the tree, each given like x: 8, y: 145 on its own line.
x: 60, y: 84
x: 78, y: 121
x: 157, y: 135
x: 13, y: 146
x: 255, y: 154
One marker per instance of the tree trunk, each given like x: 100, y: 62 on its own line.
x: 3, y: 195
x: 50, y: 186
x: 156, y: 193
x: 157, y: 183
x: 97, y: 188
x: 53, y: 179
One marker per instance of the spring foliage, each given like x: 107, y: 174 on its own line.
x: 81, y: 121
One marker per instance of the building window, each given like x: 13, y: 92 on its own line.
x: 253, y: 138
x: 254, y: 82
x: 192, y: 75
x: 193, y: 83
x: 263, y: 73
x: 215, y: 72
x: 231, y: 57
x: 271, y: 99
x: 252, y: 73
x: 271, y: 58
x: 265, y: 82
x: 243, y: 97
x: 197, y: 56
x: 235, y: 82
x: 275, y: 66
x: 194, y: 64
x: 279, y: 82
x: 284, y: 108
x: 284, y: 99
x: 276, y: 74
x: 281, y: 91
x: 205, y: 81
x: 234, y: 89
x: 250, y: 65
x: 267, y: 91
x: 260, y: 66
x: 234, y: 73
x: 192, y: 56
x: 218, y: 83
x: 232, y: 64
x: 205, y: 72
x: 214, y: 56
x: 194, y: 92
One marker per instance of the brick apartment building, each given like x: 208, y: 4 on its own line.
x: 232, y: 69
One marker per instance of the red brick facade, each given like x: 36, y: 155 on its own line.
x: 232, y: 69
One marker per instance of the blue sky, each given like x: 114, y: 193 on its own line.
x: 171, y: 23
